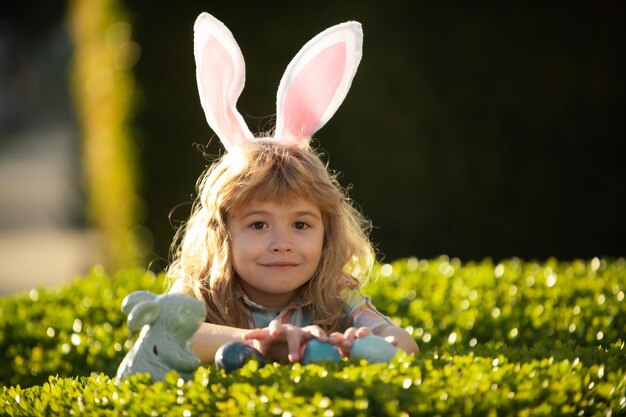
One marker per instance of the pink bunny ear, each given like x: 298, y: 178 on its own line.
x: 317, y: 81
x: 220, y: 72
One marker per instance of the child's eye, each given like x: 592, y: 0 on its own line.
x: 257, y: 225
x: 301, y: 225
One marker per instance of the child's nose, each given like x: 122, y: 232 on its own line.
x: 281, y: 242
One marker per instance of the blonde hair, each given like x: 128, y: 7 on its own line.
x: 266, y: 170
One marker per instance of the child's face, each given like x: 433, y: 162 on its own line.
x: 275, y: 248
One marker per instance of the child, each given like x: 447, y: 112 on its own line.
x: 273, y: 245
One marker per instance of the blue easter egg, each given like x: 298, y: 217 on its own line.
x: 317, y: 351
x: 233, y: 355
x: 373, y: 349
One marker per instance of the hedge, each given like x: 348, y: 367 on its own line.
x: 509, y: 338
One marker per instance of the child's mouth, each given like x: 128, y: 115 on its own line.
x: 280, y: 265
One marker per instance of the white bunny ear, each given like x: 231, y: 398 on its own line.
x: 220, y: 72
x: 317, y: 81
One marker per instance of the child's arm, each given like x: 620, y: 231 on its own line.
x: 368, y: 320
x: 393, y: 334
x: 278, y: 342
x: 210, y: 337
x: 403, y: 340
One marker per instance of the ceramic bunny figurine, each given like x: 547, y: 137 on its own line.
x: 167, y: 323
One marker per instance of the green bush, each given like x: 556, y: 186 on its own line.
x: 513, y: 338
x: 515, y: 303
x: 68, y: 331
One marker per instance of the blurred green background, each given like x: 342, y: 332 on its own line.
x: 474, y: 131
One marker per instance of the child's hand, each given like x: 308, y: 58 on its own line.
x: 344, y: 341
x: 284, y: 341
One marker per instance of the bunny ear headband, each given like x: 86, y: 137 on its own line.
x: 313, y: 86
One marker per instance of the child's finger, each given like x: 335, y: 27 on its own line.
x: 294, y: 339
x: 258, y: 334
x: 317, y: 332
x: 363, y: 331
x: 275, y: 328
x: 335, y: 337
x: 349, y: 337
x: 345, y: 352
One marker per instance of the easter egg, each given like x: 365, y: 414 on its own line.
x: 317, y: 351
x: 233, y: 355
x: 373, y: 349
